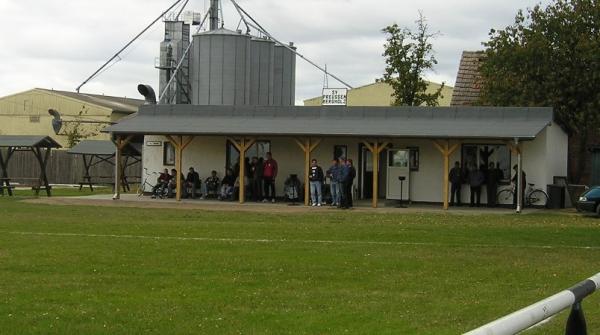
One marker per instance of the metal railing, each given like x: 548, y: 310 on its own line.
x: 542, y: 310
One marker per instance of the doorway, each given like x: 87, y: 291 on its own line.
x: 365, y: 173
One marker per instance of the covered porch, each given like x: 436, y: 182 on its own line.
x: 202, y: 135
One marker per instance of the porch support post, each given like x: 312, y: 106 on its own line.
x: 516, y: 149
x: 446, y: 150
x: 242, y: 145
x: 120, y: 143
x: 180, y: 143
x: 307, y: 146
x: 376, y: 147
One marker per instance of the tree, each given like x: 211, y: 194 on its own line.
x: 549, y: 57
x: 408, y: 56
x: 75, y: 131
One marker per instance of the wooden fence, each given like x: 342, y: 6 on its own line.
x: 63, y: 168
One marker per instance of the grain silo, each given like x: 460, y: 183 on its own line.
x: 220, y: 68
x: 284, y: 80
x: 262, y: 55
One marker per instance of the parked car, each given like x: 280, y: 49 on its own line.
x: 589, y: 201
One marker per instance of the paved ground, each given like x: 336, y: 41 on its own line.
x: 130, y: 200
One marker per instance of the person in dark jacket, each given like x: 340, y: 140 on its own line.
x: 161, y: 184
x: 348, y: 175
x: 212, y: 184
x: 456, y: 178
x: 192, y: 183
x: 315, y: 178
x: 172, y: 188
x: 476, y: 179
x: 227, y: 185
x: 492, y: 185
x: 258, y: 179
x: 333, y: 173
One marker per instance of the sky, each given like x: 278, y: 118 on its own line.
x: 58, y: 44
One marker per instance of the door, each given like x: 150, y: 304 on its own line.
x: 367, y: 173
x: 398, y: 174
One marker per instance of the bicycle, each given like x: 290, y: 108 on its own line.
x: 142, y: 186
x: 534, y: 197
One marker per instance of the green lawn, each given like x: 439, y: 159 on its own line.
x: 97, y: 270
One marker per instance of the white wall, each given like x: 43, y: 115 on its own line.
x: 543, y: 158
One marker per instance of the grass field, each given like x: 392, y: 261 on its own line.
x: 98, y: 270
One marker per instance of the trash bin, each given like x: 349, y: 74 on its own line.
x: 556, y: 196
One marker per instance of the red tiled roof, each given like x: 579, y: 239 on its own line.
x: 468, y: 84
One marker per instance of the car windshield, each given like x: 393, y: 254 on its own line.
x: 594, y: 192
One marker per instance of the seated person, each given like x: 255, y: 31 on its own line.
x: 192, y: 183
x: 227, y: 185
x: 161, y: 183
x: 173, y: 184
x: 212, y: 184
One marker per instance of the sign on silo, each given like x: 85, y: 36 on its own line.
x: 335, y: 97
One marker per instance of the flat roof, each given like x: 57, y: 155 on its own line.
x: 410, y: 122
x: 28, y: 141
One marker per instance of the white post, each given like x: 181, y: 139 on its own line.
x: 519, y: 186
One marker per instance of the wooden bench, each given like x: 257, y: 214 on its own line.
x: 34, y: 183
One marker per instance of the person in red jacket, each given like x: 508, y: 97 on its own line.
x: 269, y: 175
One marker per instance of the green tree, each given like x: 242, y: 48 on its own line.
x: 76, y: 131
x: 408, y: 55
x: 550, y: 56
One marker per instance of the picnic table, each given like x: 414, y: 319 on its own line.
x: 39, y: 146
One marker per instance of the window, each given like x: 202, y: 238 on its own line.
x: 340, y: 151
x: 168, y: 153
x: 414, y: 158
x: 258, y: 149
x: 398, y: 158
x: 34, y: 119
x: 483, y: 154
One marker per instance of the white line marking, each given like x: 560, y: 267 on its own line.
x: 248, y: 240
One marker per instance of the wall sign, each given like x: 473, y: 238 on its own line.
x: 153, y: 143
x: 335, y: 96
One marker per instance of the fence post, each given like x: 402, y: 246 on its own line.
x: 576, y: 322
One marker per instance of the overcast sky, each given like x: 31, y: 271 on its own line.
x: 57, y: 44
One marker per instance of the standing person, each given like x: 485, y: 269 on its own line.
x: 350, y: 183
x: 258, y: 179
x: 269, y: 175
x: 315, y: 177
x: 192, y: 183
x: 476, y: 179
x: 334, y: 176
x: 492, y: 185
x: 251, y: 177
x: 348, y: 175
x: 515, y: 182
x: 456, y: 178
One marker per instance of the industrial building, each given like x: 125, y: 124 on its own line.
x: 241, y: 89
x: 26, y: 113
x: 380, y: 94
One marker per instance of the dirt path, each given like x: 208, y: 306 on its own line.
x: 131, y: 201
